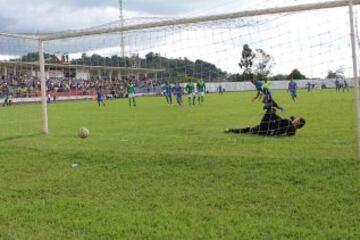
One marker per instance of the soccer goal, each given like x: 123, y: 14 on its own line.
x: 314, y: 43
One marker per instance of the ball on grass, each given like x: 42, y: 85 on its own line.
x: 83, y: 133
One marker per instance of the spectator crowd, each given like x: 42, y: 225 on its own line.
x: 26, y: 87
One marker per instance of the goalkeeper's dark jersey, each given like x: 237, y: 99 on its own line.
x: 273, y: 125
x: 270, y: 125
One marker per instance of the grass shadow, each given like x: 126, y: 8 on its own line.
x: 17, y: 137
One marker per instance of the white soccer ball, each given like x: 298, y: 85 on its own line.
x: 83, y: 133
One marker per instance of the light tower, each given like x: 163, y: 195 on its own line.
x: 122, y: 40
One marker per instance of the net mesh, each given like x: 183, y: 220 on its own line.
x: 315, y: 43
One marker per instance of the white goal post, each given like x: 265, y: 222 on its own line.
x: 355, y: 70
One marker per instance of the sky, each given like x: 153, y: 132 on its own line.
x: 315, y: 47
x: 57, y: 15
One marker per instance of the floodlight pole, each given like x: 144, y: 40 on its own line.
x: 43, y: 87
x: 122, y: 32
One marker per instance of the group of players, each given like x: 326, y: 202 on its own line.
x: 197, y: 91
x: 341, y: 85
x: 193, y: 91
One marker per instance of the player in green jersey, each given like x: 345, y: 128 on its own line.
x: 131, y: 93
x: 190, y: 90
x: 201, y: 88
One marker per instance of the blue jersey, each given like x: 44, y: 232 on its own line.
x: 292, y: 86
x: 178, y: 88
x: 337, y: 83
x: 259, y: 85
x: 100, y: 95
x: 168, y: 89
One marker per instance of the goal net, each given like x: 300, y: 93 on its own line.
x: 312, y: 47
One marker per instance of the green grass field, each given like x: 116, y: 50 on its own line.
x: 164, y: 172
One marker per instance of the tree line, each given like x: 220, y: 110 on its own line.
x: 253, y: 62
x: 179, y: 69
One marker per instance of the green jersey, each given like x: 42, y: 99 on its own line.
x: 200, y: 87
x: 131, y: 88
x: 190, y: 88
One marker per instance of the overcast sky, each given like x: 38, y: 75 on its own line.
x: 58, y: 15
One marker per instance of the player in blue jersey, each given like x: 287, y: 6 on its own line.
x: 167, y: 91
x: 308, y: 86
x: 346, y: 86
x: 178, y: 93
x: 100, y: 97
x: 258, y: 85
x: 263, y: 89
x: 337, y: 85
x: 292, y: 88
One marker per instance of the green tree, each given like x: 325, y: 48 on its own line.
x: 256, y: 62
x: 296, y: 74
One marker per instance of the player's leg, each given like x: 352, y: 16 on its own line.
x: 129, y: 98
x: 237, y: 130
x: 177, y: 98
x: 134, y: 101
x: 250, y: 130
x: 269, y: 102
x: 170, y: 99
x: 194, y: 99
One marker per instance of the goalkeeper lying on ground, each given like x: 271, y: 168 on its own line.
x: 272, y: 125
